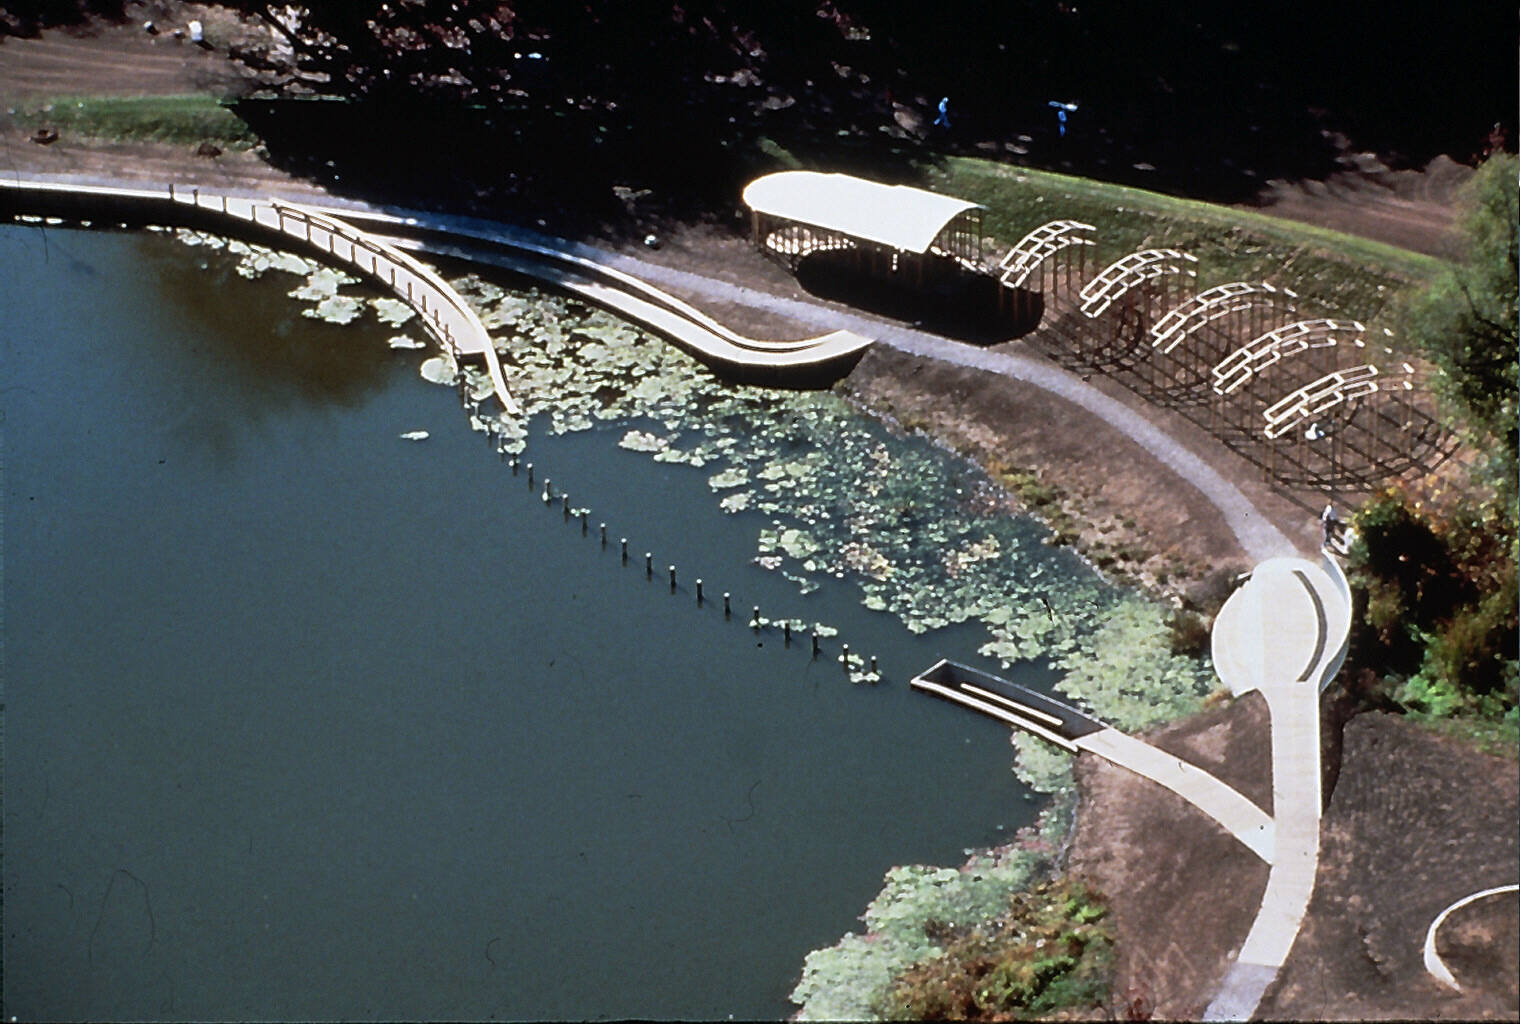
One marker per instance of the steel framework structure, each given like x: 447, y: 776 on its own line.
x: 1302, y: 397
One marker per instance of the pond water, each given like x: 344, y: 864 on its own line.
x: 306, y: 720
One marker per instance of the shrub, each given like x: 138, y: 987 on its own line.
x: 1052, y: 950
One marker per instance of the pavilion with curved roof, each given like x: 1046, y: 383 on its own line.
x: 795, y: 214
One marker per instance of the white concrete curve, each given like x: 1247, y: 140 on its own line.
x: 1433, y: 962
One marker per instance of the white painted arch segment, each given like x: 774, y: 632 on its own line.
x: 1128, y: 272
x: 896, y: 216
x: 1333, y: 389
x: 1433, y: 962
x: 1038, y: 246
x: 1238, y: 368
x: 1215, y: 304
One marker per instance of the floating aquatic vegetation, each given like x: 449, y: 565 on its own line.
x: 846, y: 981
x: 1043, y: 767
x: 392, y: 312
x: 734, y: 476
x: 643, y: 441
x: 439, y: 370
x: 336, y: 309
x: 923, y: 534
x: 1128, y: 675
x: 322, y: 283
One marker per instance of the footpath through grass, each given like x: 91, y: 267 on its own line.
x: 1336, y: 274
x: 188, y: 119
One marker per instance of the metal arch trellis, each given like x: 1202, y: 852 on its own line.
x: 1246, y: 381
x: 1357, y: 427
x: 1195, y: 335
x: 1319, y: 397
x: 1123, y: 274
x: 1035, y: 247
x: 1249, y: 361
x: 1213, y: 304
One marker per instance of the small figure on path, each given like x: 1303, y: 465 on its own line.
x: 1329, y: 526
x: 943, y: 120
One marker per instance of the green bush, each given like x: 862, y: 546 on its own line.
x: 1440, y: 604
x: 1051, y: 951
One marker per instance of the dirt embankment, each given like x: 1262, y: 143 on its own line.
x: 1414, y: 823
x: 1099, y: 489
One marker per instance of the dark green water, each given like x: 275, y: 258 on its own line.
x: 303, y: 720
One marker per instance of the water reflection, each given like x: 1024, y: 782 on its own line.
x: 256, y: 337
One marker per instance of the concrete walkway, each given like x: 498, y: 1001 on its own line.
x: 1285, y: 633
x: 1234, y: 813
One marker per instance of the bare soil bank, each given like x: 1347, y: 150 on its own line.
x: 1415, y: 822
x: 1101, y: 490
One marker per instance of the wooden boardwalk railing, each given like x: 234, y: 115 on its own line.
x: 446, y: 315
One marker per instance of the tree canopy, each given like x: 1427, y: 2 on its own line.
x: 1468, y: 324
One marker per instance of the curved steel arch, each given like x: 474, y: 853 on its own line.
x: 1324, y: 394
x: 1123, y: 274
x: 1214, y: 304
x: 1037, y: 246
x: 1235, y: 370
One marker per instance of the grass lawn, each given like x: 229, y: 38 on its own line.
x: 1336, y: 274
x: 187, y: 119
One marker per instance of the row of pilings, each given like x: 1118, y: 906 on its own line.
x: 855, y: 667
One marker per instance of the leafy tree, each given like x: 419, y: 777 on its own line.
x: 1466, y: 321
x: 1441, y: 619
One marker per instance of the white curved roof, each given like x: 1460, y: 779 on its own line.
x: 899, y: 216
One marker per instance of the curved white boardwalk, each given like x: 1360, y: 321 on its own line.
x: 447, y: 316
x: 377, y: 251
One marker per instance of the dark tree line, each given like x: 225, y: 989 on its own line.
x: 1190, y: 96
